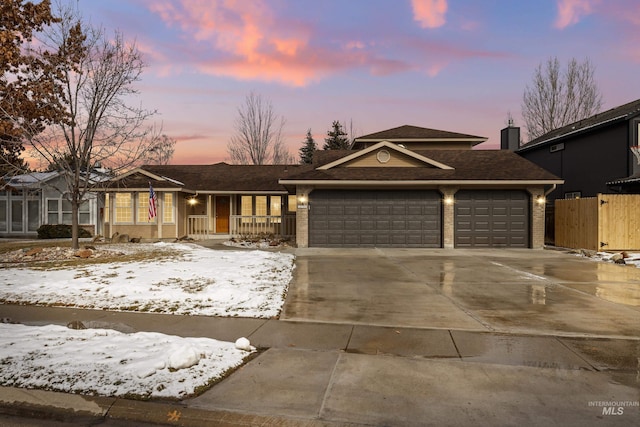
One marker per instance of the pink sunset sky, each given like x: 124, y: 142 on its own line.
x: 459, y: 66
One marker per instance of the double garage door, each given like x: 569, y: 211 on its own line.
x: 357, y: 218
x: 413, y: 218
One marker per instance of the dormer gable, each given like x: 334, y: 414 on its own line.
x: 384, y: 154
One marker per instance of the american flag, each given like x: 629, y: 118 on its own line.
x: 152, y: 203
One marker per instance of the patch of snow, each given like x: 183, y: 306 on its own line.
x: 193, y: 281
x: 244, y: 344
x: 110, y: 363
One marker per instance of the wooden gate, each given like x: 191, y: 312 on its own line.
x: 604, y: 223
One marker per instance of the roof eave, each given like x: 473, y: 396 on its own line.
x: 416, y: 183
x: 573, y: 132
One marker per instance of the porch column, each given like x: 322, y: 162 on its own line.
x: 448, y: 216
x: 538, y: 206
x: 159, y: 215
x: 302, y: 216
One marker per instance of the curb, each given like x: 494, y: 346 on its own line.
x: 64, y: 407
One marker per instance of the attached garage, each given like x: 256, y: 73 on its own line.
x: 492, y: 218
x: 375, y: 218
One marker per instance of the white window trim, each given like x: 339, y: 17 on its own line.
x: 173, y: 208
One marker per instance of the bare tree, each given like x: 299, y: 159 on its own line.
x: 258, y: 136
x: 99, y: 127
x: 558, y: 98
x: 162, y: 153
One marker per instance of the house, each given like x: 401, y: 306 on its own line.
x: 404, y: 187
x: 592, y: 155
x: 30, y: 200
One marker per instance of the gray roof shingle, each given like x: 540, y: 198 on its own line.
x: 408, y: 132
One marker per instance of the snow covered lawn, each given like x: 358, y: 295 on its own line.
x: 183, y: 279
x: 193, y: 280
x: 110, y: 363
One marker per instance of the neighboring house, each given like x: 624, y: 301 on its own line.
x: 592, y: 155
x: 405, y: 187
x: 31, y: 200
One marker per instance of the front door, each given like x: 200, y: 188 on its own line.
x: 223, y: 209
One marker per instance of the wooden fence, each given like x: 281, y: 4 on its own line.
x: 603, y: 223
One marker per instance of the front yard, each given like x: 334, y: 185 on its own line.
x: 183, y: 279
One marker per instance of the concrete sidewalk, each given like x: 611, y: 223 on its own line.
x: 351, y: 374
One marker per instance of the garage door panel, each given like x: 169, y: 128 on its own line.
x: 336, y: 225
x: 357, y: 218
x: 383, y: 225
x: 351, y: 225
x: 367, y: 210
x: 492, y: 218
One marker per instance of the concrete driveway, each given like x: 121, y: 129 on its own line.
x: 514, y: 291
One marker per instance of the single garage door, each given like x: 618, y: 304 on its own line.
x: 492, y: 218
x: 358, y: 218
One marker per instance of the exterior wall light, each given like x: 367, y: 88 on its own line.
x: 302, y: 199
x: 192, y: 201
x: 541, y: 200
x: 448, y: 200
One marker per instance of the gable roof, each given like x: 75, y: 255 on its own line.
x: 383, y: 144
x: 495, y: 166
x: 409, y: 133
x: 606, y: 118
x: 219, y: 178
x: 30, y: 180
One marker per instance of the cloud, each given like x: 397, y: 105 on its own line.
x: 261, y: 41
x: 248, y: 40
x: 430, y: 13
x: 571, y: 11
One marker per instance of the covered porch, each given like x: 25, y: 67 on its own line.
x: 210, y: 216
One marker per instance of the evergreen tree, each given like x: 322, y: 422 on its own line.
x: 308, y: 147
x: 336, y: 138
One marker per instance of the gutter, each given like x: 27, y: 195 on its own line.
x: 414, y: 183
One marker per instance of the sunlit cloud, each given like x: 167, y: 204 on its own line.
x: 249, y: 41
x: 571, y: 11
x: 255, y: 41
x: 429, y: 13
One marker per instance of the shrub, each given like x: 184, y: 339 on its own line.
x: 59, y: 231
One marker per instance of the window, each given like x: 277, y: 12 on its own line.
x: 261, y: 208
x: 59, y: 211
x: 573, y: 195
x: 276, y: 208
x: 106, y: 208
x: 66, y: 212
x: 143, y: 209
x: 124, y: 208
x: 53, y: 211
x: 246, y: 208
x: 3, y: 215
x: 167, y: 208
x: 16, y: 215
x: 292, y: 201
x: 33, y: 215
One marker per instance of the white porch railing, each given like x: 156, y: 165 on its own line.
x: 198, y: 226
x: 282, y: 226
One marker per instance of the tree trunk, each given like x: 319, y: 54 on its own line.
x: 75, y: 244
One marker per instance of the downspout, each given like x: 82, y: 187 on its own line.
x: 553, y: 187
